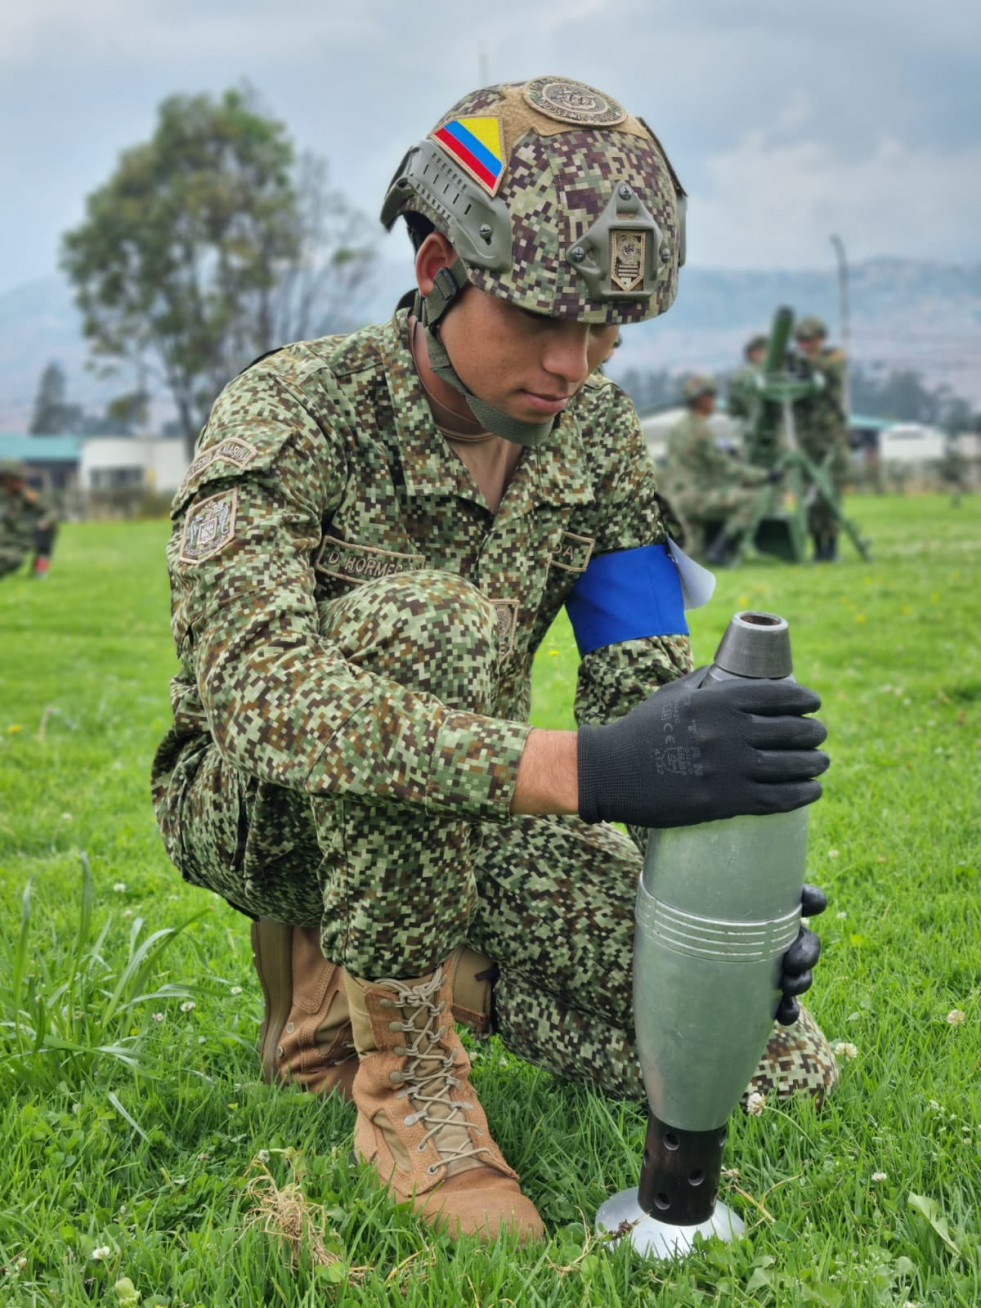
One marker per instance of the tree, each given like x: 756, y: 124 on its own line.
x: 208, y: 246
x: 899, y: 394
x: 53, y: 415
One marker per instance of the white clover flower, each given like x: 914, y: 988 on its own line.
x: 158, y: 1017
x: 833, y: 853
x: 957, y: 1017
x: 841, y: 914
x: 235, y: 990
x: 843, y: 1049
x: 120, y: 887
x: 188, y: 1006
x: 755, y: 1104
x: 880, y: 1176
x: 263, y: 1155
x: 21, y: 1263
x: 100, y: 1252
x: 127, y: 912
x: 731, y: 1173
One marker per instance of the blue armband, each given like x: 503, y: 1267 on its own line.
x: 627, y: 595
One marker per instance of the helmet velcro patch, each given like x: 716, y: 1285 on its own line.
x: 477, y: 145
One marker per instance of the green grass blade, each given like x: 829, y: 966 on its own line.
x: 86, y: 899
x: 114, y: 1100
x: 20, y: 961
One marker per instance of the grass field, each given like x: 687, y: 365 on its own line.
x: 136, y: 1141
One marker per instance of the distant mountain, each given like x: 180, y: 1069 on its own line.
x: 904, y: 313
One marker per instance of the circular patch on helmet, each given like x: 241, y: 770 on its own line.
x: 573, y: 102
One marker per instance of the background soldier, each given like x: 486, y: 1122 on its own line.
x: 715, y: 495
x: 374, y: 538
x: 742, y: 394
x: 821, y: 426
x: 27, y: 521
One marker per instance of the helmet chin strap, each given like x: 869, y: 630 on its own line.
x: 447, y: 286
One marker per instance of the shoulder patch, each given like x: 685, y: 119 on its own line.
x: 209, y: 527
x: 237, y: 452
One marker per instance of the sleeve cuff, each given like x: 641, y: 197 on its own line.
x: 474, y: 766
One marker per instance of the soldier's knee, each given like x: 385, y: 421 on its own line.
x: 428, y: 630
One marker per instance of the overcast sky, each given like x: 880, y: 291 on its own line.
x: 785, y: 122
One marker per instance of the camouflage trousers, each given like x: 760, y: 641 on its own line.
x: 821, y: 517
x: 12, y: 556
x: 730, y: 507
x: 395, y: 890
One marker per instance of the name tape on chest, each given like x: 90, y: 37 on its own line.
x: 572, y: 553
x: 349, y: 562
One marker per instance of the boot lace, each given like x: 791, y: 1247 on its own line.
x: 428, y: 1078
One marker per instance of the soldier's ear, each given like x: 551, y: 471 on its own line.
x: 434, y: 253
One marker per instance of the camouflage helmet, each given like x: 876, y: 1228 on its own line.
x: 696, y: 386
x: 554, y: 198
x: 808, y: 329
x: 14, y: 469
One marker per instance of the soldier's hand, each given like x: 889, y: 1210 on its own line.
x: 697, y: 750
x: 801, y: 957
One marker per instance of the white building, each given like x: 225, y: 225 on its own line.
x: 131, y: 462
x: 910, y: 442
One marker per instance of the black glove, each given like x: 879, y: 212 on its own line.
x: 693, y: 753
x: 800, y: 958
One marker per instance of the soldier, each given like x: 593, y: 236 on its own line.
x: 821, y: 426
x: 375, y: 536
x: 713, y: 493
x: 25, y: 520
x: 742, y: 394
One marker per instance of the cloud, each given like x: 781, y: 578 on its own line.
x: 765, y: 204
x: 784, y: 124
x: 104, y: 31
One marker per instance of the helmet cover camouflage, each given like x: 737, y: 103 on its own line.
x: 554, y: 198
x: 809, y: 329
x: 696, y: 386
x: 13, y: 469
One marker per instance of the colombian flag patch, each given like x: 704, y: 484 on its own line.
x: 477, y: 144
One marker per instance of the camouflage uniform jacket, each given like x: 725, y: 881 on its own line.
x: 742, y: 394
x: 21, y: 512
x: 820, y: 418
x: 696, y: 465
x: 320, y: 468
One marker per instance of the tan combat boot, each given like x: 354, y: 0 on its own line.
x: 306, y: 1037
x: 419, y: 1123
